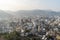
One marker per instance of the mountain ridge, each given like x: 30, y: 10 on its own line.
x: 21, y: 13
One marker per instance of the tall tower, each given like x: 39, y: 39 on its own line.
x: 39, y: 28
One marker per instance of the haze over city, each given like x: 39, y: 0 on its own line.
x: 14, y: 5
x: 29, y: 19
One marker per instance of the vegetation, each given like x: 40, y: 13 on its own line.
x: 12, y: 36
x: 16, y: 36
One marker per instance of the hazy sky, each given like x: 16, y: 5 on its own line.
x: 29, y: 4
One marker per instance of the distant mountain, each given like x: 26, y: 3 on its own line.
x: 4, y: 14
x: 21, y: 13
x: 37, y: 12
x: 10, y: 12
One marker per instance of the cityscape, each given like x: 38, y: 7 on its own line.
x: 32, y: 28
x: 29, y: 19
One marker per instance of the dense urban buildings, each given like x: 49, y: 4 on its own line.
x: 40, y: 26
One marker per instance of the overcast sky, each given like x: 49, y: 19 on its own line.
x: 29, y: 5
